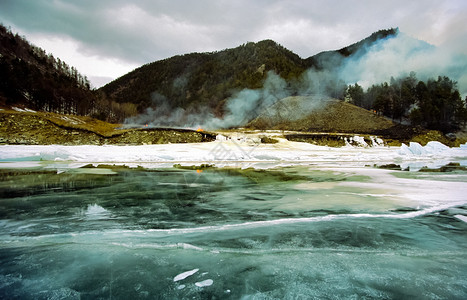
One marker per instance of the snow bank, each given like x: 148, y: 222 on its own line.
x: 23, y: 109
x: 229, y: 152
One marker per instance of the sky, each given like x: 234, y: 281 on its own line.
x: 105, y: 39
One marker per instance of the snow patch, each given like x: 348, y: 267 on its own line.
x: 230, y: 153
x: 23, y: 109
x: 207, y: 282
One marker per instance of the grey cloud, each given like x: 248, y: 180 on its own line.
x: 143, y: 31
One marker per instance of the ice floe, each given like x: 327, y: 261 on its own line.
x: 184, y: 275
x: 207, y: 282
x: 461, y: 217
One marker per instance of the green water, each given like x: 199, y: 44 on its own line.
x: 290, y: 233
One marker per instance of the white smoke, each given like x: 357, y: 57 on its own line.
x: 247, y: 104
x: 161, y: 114
x: 395, y: 56
x: 239, y: 109
x: 398, y: 56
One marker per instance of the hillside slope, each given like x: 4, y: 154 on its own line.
x: 318, y: 114
x: 204, y: 78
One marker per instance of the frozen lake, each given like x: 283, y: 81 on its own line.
x: 311, y: 224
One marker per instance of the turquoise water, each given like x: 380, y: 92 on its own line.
x: 288, y: 233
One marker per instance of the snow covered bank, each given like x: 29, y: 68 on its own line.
x: 235, y: 153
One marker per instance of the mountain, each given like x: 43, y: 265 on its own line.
x: 208, y: 79
x: 204, y: 78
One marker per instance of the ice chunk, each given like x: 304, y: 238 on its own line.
x: 188, y: 246
x: 184, y: 275
x: 207, y: 282
x: 435, y: 147
x: 404, y: 150
x: 416, y: 148
x: 462, y: 218
x: 431, y: 148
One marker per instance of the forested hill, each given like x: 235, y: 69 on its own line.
x: 34, y: 79
x: 210, y: 78
x: 31, y: 77
x: 205, y: 78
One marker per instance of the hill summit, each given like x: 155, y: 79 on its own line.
x: 209, y: 79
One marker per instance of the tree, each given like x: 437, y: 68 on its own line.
x: 355, y: 94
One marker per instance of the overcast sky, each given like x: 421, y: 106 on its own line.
x: 105, y: 39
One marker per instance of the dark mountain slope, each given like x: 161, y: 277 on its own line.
x: 204, y: 78
x: 207, y: 79
x: 29, y: 77
x: 32, y: 78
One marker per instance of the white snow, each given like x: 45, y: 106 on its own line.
x: 23, y: 109
x: 207, y: 282
x: 184, y: 275
x: 243, y: 153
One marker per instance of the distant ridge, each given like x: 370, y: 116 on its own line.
x: 334, y: 58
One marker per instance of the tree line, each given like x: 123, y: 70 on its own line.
x: 433, y: 104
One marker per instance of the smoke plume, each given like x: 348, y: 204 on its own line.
x: 399, y: 55
x: 394, y: 56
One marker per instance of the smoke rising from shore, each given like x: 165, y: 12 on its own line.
x: 398, y: 56
x: 394, y: 56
